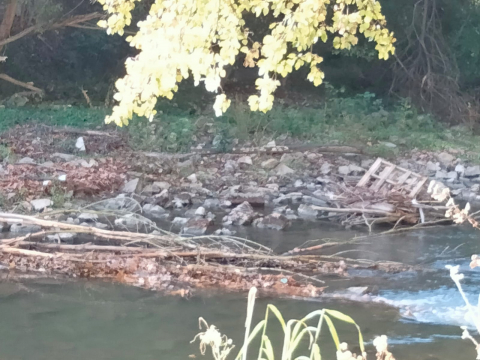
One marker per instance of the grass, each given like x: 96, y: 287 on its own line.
x: 361, y: 120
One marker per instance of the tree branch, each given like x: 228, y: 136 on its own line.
x: 20, y: 83
x: 74, y: 20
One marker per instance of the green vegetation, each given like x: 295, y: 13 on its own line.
x: 362, y: 120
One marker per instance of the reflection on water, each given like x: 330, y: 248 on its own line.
x: 421, y: 313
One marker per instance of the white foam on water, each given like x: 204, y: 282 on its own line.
x: 442, y: 306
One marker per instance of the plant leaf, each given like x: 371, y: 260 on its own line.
x: 333, y: 331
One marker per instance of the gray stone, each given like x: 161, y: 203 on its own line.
x: 357, y: 290
x: 298, y: 183
x: 245, y: 160
x: 283, y: 170
x: 344, y: 170
x: 154, y: 211
x: 63, y: 237
x: 441, y: 174
x: 129, y: 221
x: 131, y: 186
x: 432, y: 167
x: 313, y: 201
x: 225, y: 231
x: 472, y: 171
x: 100, y: 225
x: 211, y: 203
x: 230, y: 166
x: 162, y: 185
x: 269, y: 164
x: 453, y: 175
x: 185, y: 168
x: 24, y: 229
x: 200, y: 211
x: 40, y: 204
x: 192, y: 178
x: 460, y: 169
x: 355, y: 169
x: 367, y: 163
x: 243, y: 214
x: 182, y: 199
x: 26, y: 160
x: 274, y: 221
x: 326, y: 168
x: 446, y: 159
x: 307, y: 212
x: 66, y: 157
x: 180, y: 220
x: 196, y: 227
x: 88, y: 217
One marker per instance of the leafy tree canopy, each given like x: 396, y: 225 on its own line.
x: 199, y: 38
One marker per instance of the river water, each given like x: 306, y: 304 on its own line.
x: 420, y: 313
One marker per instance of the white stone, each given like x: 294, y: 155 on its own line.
x: 131, y: 186
x: 40, y: 204
x: 200, y: 211
x: 192, y: 178
x: 88, y: 217
x: 460, y: 168
x: 80, y: 144
x: 283, y: 170
x: 180, y: 220
x: 344, y: 170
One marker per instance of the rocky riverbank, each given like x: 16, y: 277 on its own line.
x: 196, y: 194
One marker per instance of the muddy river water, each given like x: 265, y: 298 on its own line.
x: 420, y: 313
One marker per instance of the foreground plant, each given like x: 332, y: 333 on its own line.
x: 200, y: 38
x: 295, y: 331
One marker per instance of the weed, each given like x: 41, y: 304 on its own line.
x: 5, y: 153
x: 58, y: 195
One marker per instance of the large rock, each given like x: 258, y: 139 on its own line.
x: 446, y: 159
x: 131, y: 186
x: 269, y: 164
x: 307, y: 212
x: 243, y: 214
x: 40, y: 204
x: 196, y: 227
x: 24, y: 229
x: 274, y: 221
x: 472, y: 171
x: 154, y: 211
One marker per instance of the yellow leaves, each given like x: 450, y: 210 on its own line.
x: 221, y: 104
x: 199, y: 38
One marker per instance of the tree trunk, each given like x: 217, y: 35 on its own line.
x: 7, y: 21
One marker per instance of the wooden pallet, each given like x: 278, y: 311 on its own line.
x: 383, y: 173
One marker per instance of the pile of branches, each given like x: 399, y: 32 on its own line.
x: 161, y: 260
